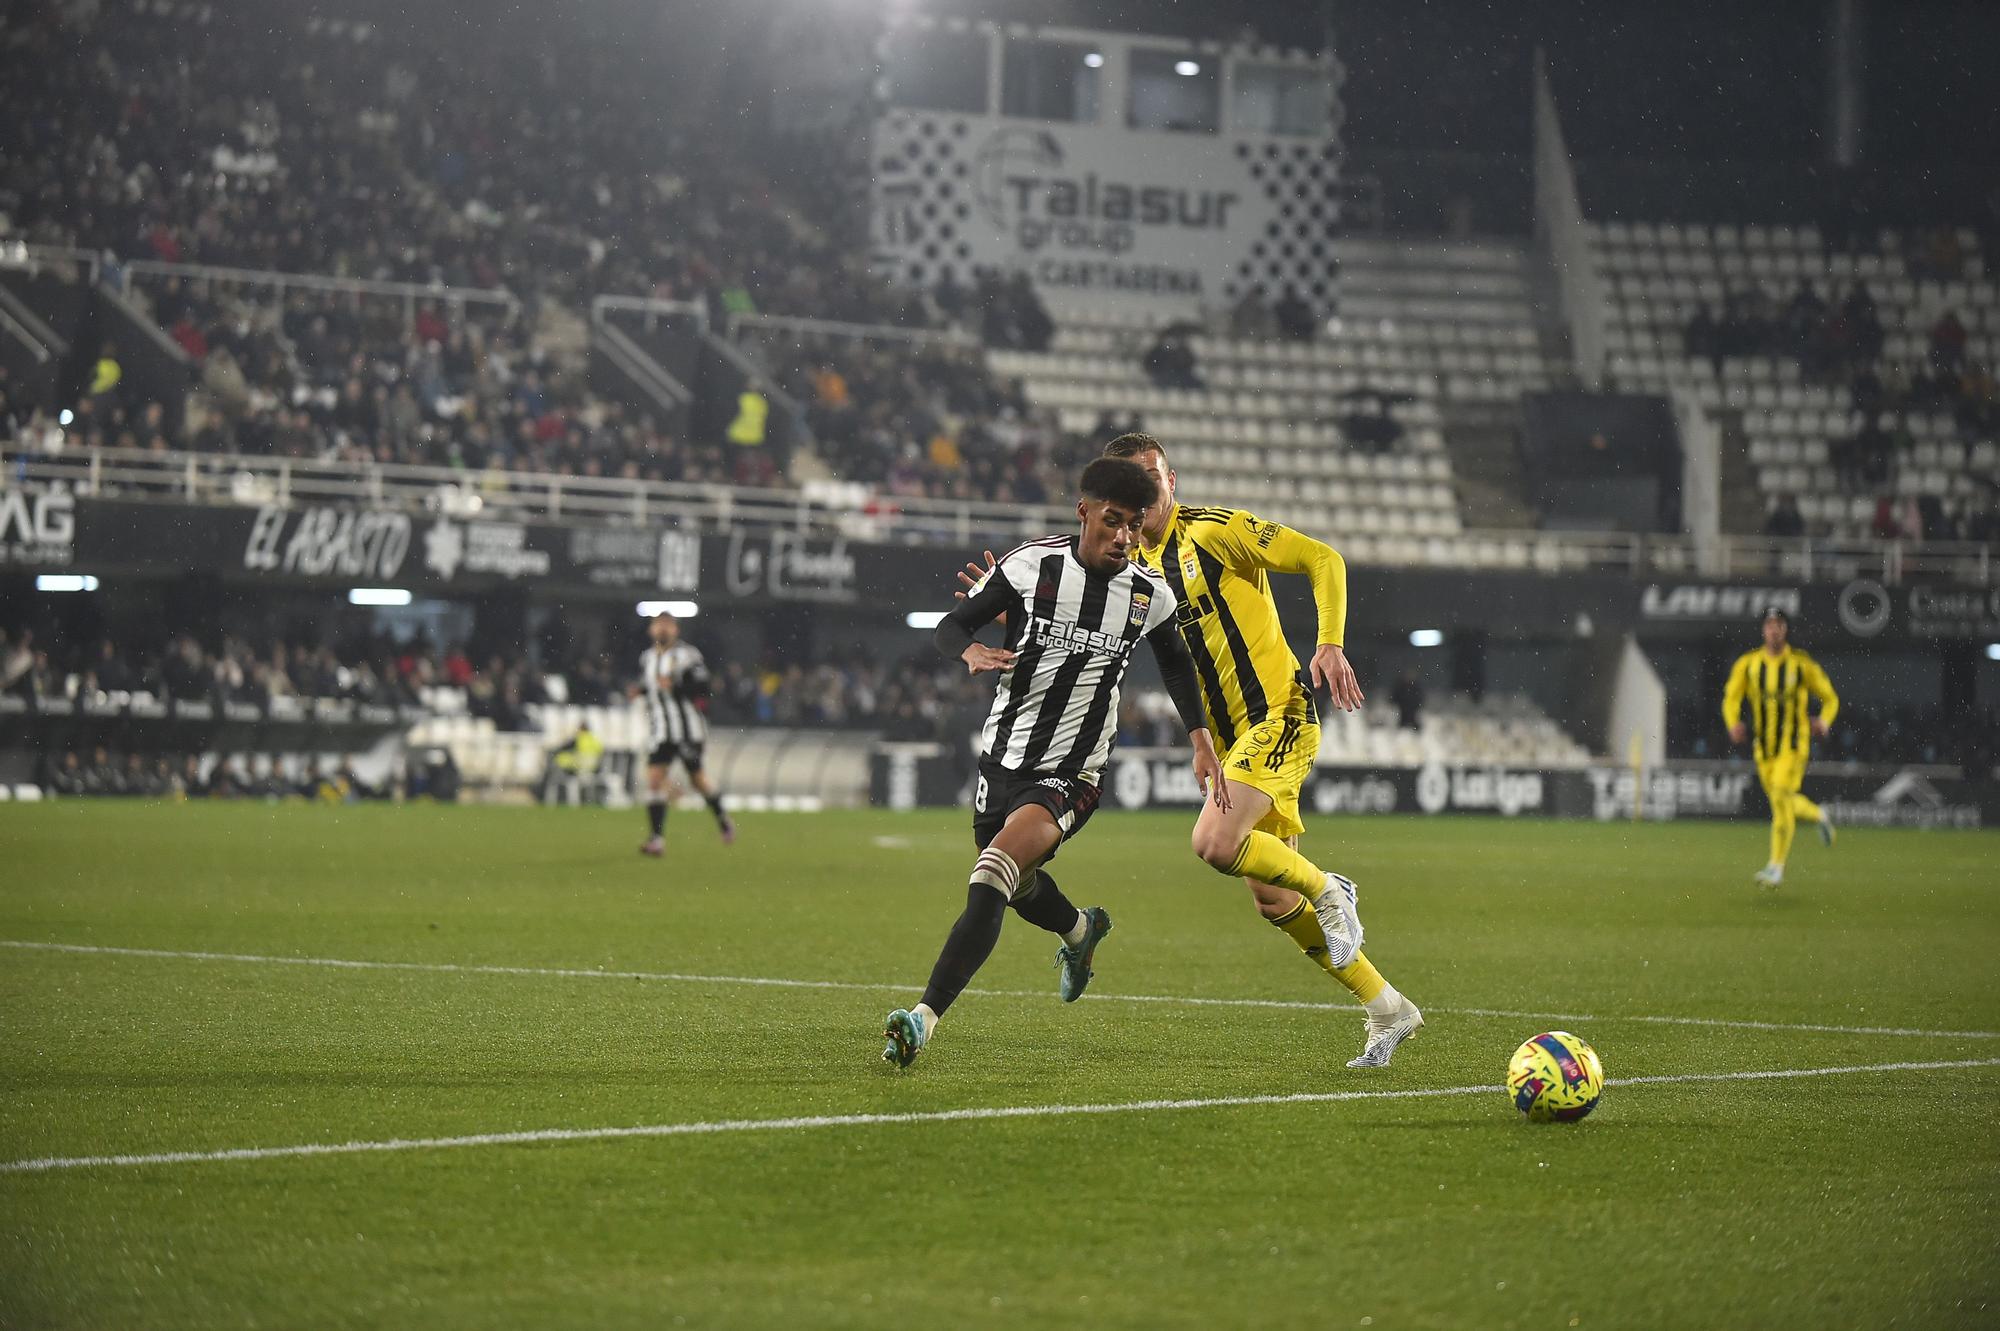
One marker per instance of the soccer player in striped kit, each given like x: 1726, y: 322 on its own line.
x: 673, y: 679
x: 1776, y: 680
x: 1076, y: 608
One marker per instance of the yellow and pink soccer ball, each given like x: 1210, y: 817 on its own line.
x: 1555, y: 1078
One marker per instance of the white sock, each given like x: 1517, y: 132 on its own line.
x: 1076, y: 933
x: 922, y: 1012
x: 1385, y: 1004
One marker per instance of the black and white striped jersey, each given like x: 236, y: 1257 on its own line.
x: 1072, y: 631
x: 670, y: 710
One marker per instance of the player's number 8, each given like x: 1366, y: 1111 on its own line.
x: 979, y: 796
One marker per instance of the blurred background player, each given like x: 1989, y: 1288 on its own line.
x: 1075, y: 608
x: 674, y: 680
x: 1260, y: 704
x: 1776, y: 680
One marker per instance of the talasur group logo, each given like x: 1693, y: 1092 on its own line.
x: 1014, y: 153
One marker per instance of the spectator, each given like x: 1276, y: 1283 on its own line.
x: 1296, y: 320
x: 1785, y: 521
x: 1251, y: 320
x: 1170, y: 361
x: 1948, y: 338
x: 1408, y: 698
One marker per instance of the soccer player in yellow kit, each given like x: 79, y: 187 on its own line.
x: 1261, y: 709
x: 1776, y: 680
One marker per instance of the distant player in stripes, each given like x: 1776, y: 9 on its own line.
x: 1075, y: 607
x: 1776, y: 680
x: 1218, y: 561
x: 674, y: 681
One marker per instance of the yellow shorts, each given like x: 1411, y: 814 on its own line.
x: 1275, y: 756
x: 1782, y: 774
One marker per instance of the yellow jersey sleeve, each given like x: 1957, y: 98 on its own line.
x: 1248, y: 543
x: 1732, y: 693
x: 1821, y: 687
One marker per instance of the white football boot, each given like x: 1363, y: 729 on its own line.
x: 1339, y: 919
x: 1385, y: 1034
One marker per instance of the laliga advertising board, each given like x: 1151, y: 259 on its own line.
x: 1112, y: 204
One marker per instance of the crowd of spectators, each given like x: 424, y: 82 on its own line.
x: 102, y: 772
x: 921, y: 420
x: 1839, y: 340
x: 377, y: 670
x: 546, y: 168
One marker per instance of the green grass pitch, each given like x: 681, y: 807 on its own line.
x: 1860, y: 1198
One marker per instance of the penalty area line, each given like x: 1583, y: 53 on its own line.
x: 852, y: 986
x: 48, y: 1164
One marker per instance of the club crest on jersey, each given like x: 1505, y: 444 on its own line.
x: 1139, y: 603
x: 1190, y: 568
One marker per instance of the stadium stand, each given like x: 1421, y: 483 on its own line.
x: 1860, y: 379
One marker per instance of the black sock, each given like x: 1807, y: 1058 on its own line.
x: 1042, y: 904
x: 656, y: 813
x: 715, y: 807
x: 967, y: 946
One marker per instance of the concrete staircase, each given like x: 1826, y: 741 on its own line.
x: 1469, y: 293
x: 1742, y: 502
x: 1484, y: 443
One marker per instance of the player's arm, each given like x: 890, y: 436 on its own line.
x: 955, y: 636
x: 1732, y: 699
x: 1822, y: 688
x: 1177, y: 673
x: 1256, y: 543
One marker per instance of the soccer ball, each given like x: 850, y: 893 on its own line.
x: 1555, y: 1077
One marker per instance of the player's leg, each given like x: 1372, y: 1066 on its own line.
x: 698, y: 775
x: 656, y: 805
x: 1266, y: 770
x: 1784, y: 821
x: 1022, y: 842
x: 1805, y: 811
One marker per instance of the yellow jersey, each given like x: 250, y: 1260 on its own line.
x: 1218, y: 562
x: 1777, y: 689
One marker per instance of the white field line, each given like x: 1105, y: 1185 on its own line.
x: 711, y: 1127
x: 678, y: 977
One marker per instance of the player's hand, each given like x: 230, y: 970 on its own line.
x: 979, y: 658
x: 1819, y: 728
x: 1738, y: 733
x: 1208, y: 770
x: 1331, y: 672
x: 972, y: 573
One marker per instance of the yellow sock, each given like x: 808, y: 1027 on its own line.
x: 1301, y: 923
x: 1803, y: 808
x: 1783, y: 824
x: 1270, y: 860
x: 1358, y: 976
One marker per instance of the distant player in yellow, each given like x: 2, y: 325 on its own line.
x: 1776, y: 680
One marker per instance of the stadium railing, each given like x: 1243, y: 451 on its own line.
x: 855, y: 513
x: 410, y: 293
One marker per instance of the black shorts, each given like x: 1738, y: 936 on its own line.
x: 687, y: 752
x: 999, y: 792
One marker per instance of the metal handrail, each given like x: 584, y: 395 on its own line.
x: 857, y: 513
x: 859, y: 332
x: 693, y: 309
x: 268, y: 277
